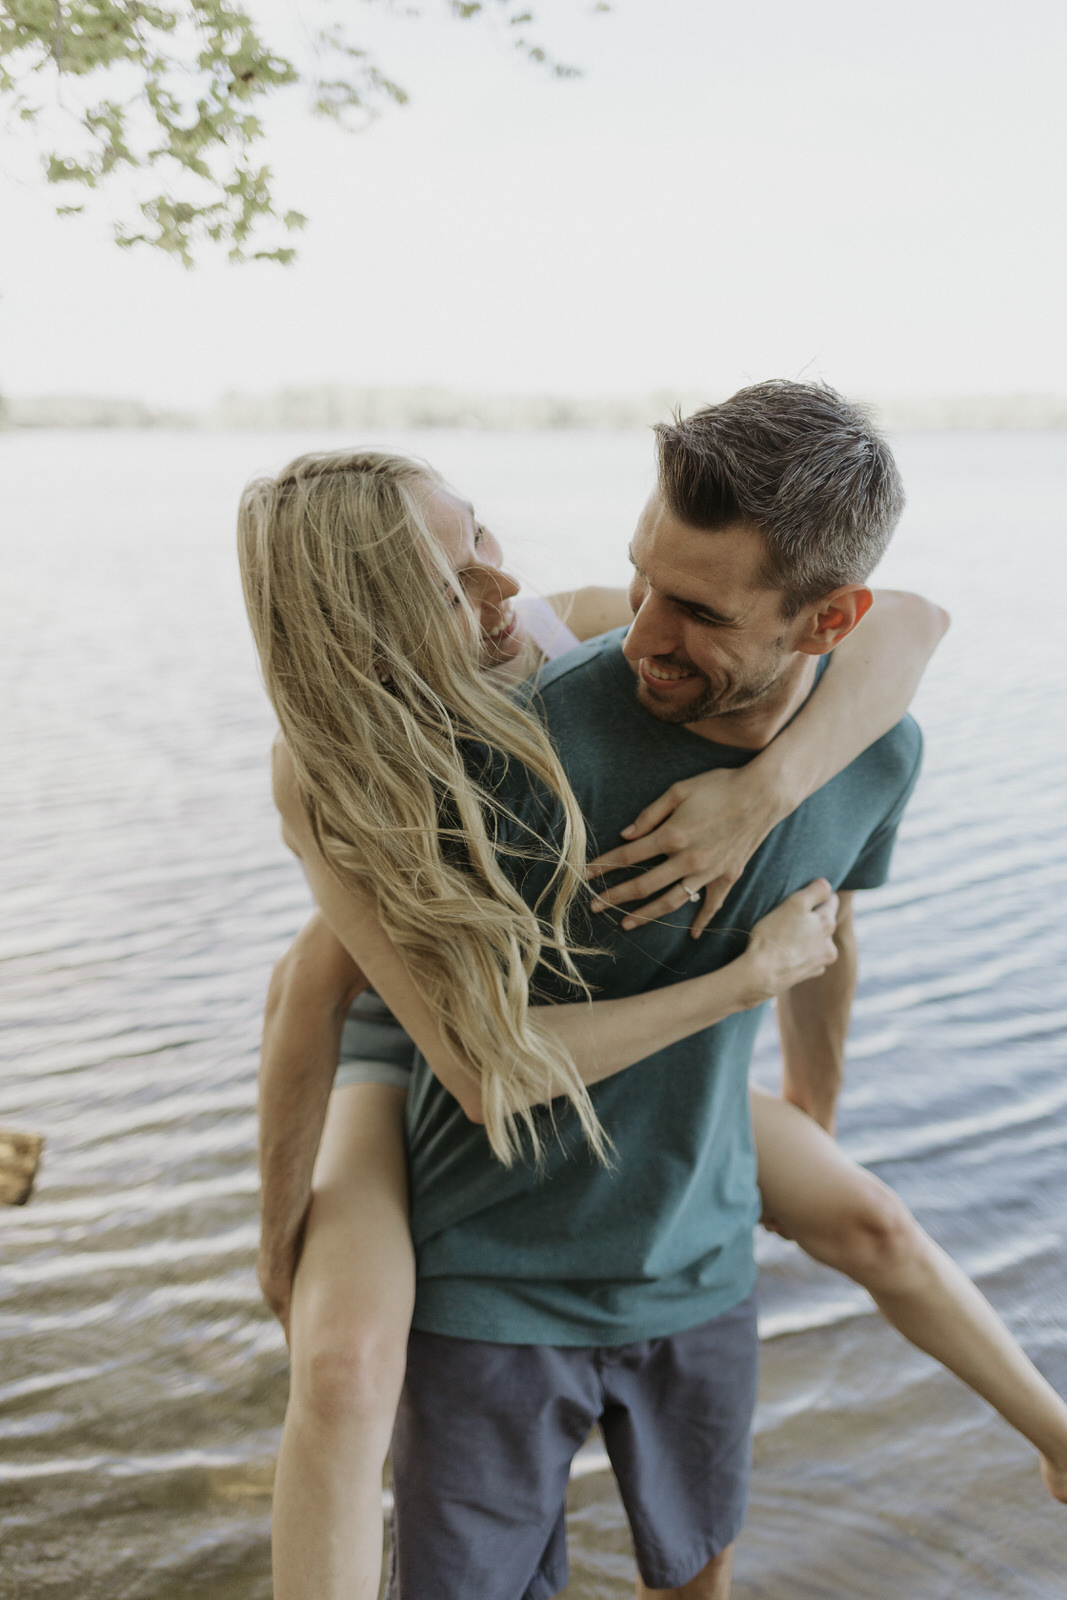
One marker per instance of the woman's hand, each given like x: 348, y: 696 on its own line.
x: 708, y: 827
x: 792, y: 943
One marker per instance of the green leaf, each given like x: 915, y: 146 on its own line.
x: 178, y: 89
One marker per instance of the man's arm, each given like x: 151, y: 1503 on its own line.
x: 813, y: 1023
x: 310, y: 991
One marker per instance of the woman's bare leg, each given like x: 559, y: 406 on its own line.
x: 352, y: 1302
x: 848, y: 1219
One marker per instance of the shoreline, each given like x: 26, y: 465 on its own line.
x: 339, y: 408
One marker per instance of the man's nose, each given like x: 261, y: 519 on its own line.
x: 652, y: 632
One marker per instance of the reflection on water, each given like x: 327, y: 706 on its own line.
x: 141, y: 1383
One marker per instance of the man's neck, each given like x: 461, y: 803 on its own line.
x: 756, y: 726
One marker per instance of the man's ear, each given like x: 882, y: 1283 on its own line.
x: 831, y: 619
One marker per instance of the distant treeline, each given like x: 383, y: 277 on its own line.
x: 337, y: 408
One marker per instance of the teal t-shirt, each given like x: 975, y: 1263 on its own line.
x: 576, y: 1254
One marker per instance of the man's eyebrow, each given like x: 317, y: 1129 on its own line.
x: 689, y: 605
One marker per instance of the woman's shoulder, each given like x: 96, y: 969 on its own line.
x: 546, y: 627
x: 285, y: 787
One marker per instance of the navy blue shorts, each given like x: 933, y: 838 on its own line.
x: 486, y: 1433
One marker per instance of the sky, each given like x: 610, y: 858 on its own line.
x: 871, y: 193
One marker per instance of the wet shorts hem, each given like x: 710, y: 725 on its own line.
x: 675, y: 1571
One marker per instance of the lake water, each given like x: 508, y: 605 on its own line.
x: 146, y: 894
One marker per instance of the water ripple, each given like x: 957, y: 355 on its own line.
x: 143, y: 1381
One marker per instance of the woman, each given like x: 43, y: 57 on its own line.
x: 373, y: 664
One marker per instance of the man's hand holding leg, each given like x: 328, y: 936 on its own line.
x: 310, y: 991
x: 813, y: 1020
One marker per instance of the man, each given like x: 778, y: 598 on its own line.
x: 552, y: 1299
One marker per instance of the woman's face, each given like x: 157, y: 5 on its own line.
x: 475, y: 558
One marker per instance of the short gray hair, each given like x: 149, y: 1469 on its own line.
x: 803, y: 466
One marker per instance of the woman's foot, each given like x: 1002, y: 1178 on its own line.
x: 1055, y: 1479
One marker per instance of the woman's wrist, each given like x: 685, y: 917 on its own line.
x: 771, y: 792
x: 778, y: 781
x: 749, y: 978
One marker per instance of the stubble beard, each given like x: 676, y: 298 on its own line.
x: 709, y: 699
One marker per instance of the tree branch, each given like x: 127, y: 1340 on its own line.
x: 183, y: 84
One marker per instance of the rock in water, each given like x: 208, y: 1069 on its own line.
x: 20, y: 1154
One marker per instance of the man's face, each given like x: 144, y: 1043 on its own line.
x: 708, y: 638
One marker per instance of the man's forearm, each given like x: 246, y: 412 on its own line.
x: 301, y: 1042
x: 296, y: 1075
x: 813, y: 1020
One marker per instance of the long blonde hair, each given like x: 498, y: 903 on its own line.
x: 378, y: 690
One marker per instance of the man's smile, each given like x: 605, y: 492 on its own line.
x: 663, y: 675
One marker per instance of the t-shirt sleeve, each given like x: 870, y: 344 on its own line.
x: 871, y: 867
